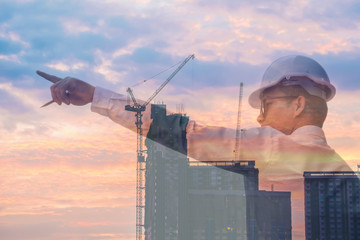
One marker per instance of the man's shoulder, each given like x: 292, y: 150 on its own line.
x: 309, y: 135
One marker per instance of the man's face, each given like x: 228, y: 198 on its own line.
x: 278, y: 111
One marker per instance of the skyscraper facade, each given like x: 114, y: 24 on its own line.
x: 166, y: 176
x: 332, y: 205
x: 225, y: 203
x: 187, y: 200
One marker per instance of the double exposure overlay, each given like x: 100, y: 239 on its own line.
x: 164, y: 120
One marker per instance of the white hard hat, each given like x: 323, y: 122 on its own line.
x: 295, y: 70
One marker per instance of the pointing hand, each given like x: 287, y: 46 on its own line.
x: 69, y: 90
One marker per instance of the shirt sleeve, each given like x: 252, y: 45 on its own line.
x: 112, y: 105
x: 103, y: 101
x: 205, y: 143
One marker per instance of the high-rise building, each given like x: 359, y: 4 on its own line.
x: 166, y: 176
x: 225, y: 203
x: 205, y: 200
x: 332, y: 205
x: 218, y: 199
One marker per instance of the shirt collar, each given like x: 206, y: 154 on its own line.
x: 309, y: 134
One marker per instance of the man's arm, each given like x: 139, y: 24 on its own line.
x: 205, y: 143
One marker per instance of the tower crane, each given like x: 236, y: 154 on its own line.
x: 140, y: 166
x: 238, y: 130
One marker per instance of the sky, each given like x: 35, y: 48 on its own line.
x: 68, y: 173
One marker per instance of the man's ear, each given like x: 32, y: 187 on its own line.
x: 300, y: 103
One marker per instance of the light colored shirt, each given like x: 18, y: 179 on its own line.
x: 281, y: 159
x: 305, y: 149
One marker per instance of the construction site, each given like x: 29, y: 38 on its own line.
x: 181, y: 199
x: 205, y: 200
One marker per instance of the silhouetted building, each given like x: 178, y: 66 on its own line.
x: 225, y: 203
x: 269, y: 215
x: 166, y: 176
x: 332, y: 205
x: 205, y: 200
x: 217, y: 198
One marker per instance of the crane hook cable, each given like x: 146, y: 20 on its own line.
x: 145, y: 80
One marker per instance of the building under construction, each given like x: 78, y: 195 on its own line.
x: 205, y: 200
x: 225, y: 203
x: 166, y: 176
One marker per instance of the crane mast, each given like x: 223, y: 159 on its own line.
x: 140, y: 166
x: 238, y: 129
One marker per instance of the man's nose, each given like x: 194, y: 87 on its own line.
x: 260, y: 118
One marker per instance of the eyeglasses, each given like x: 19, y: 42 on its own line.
x: 263, y: 102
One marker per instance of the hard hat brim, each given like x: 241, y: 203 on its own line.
x: 254, y: 98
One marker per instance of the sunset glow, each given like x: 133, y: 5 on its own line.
x: 68, y: 173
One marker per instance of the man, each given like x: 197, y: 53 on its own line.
x: 292, y: 102
x: 293, y: 95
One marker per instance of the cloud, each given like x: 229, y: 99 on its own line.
x: 9, y: 47
x: 342, y: 69
x: 18, y: 110
x: 62, y: 157
x: 12, y: 104
x: 232, y: 5
x: 333, y: 16
x: 65, y: 67
x: 67, y: 223
x: 226, y: 39
x: 75, y: 27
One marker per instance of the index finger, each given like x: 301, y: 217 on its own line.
x: 49, y: 77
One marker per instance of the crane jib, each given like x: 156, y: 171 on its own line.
x: 129, y: 90
x: 140, y: 167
